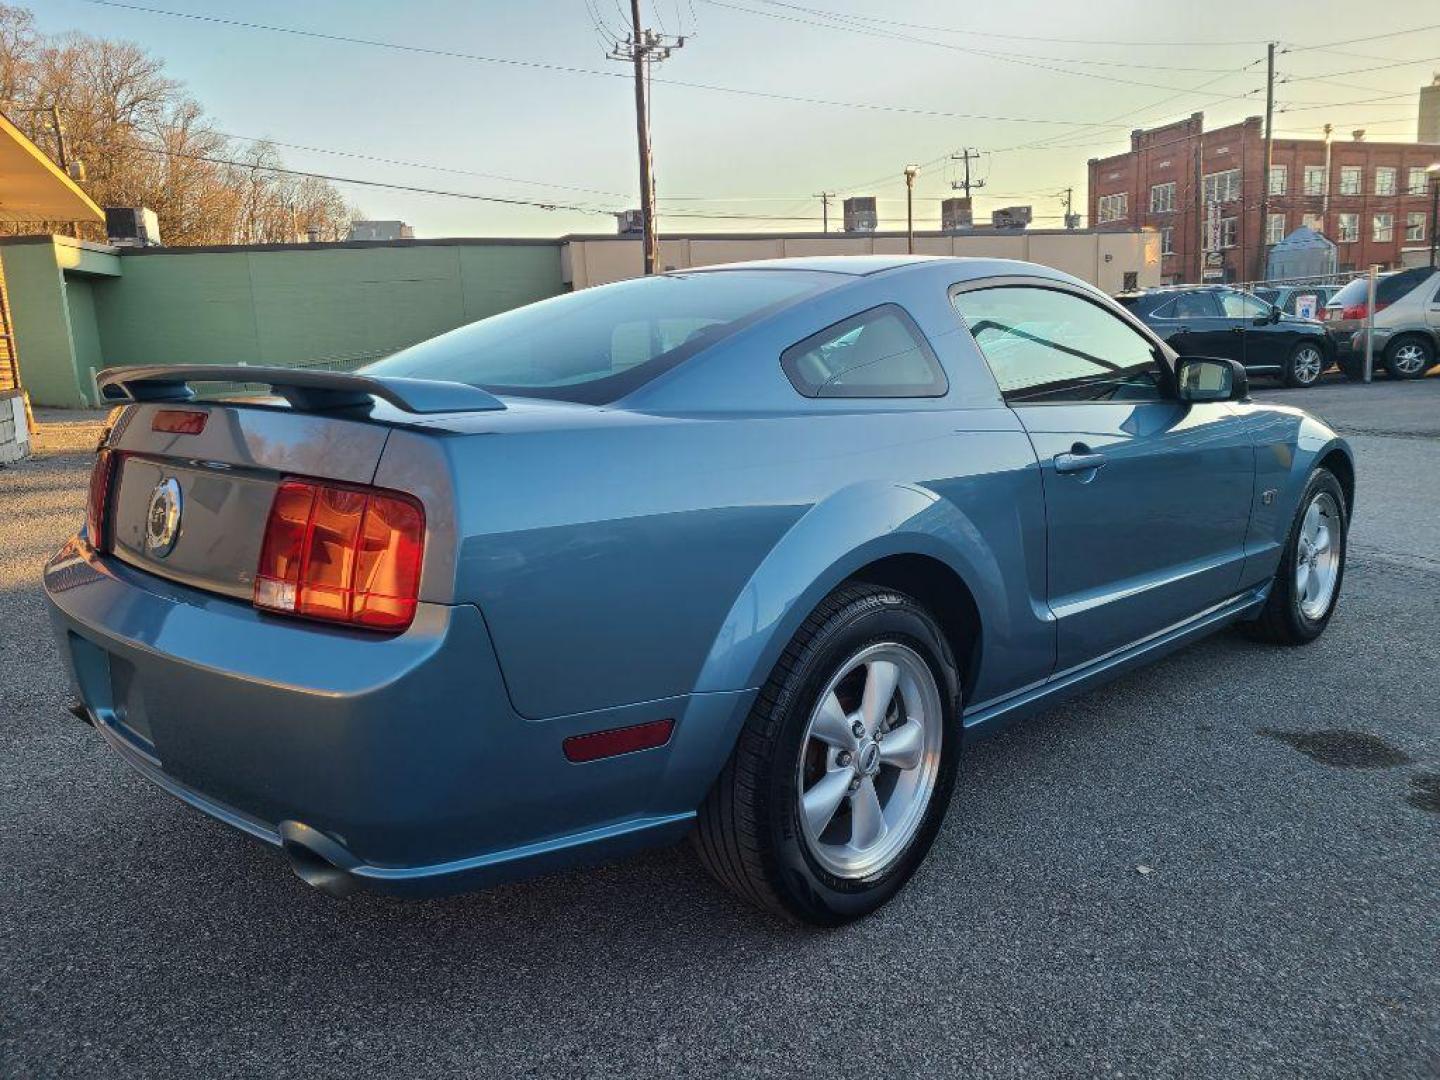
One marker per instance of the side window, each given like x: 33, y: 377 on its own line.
x: 879, y: 353
x: 1239, y: 306
x: 1196, y: 306
x: 1044, y: 345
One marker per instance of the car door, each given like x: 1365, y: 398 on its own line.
x: 1194, y: 325
x: 1147, y: 498
x: 1265, y: 344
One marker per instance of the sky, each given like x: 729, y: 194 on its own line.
x: 1036, y: 86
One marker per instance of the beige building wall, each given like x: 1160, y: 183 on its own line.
x: 1103, y: 259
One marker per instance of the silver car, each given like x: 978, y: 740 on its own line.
x: 1407, y: 323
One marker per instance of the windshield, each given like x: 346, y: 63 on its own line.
x: 599, y: 344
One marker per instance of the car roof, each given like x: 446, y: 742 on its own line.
x: 962, y: 268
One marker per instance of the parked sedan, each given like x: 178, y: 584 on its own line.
x: 1219, y: 321
x: 746, y: 553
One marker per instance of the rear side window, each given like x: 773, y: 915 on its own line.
x: 1044, y: 345
x: 1188, y: 306
x: 879, y: 353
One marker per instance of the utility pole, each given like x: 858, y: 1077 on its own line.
x: 641, y: 48
x: 825, y: 197
x: 1067, y: 196
x: 911, y: 171
x: 966, y: 155
x: 1269, y: 158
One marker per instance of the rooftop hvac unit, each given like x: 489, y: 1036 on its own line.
x: 860, y: 214
x: 629, y: 222
x: 1011, y: 217
x: 956, y: 213
x: 132, y: 226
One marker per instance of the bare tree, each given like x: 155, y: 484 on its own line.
x: 146, y: 142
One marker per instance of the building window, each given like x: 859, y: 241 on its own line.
x: 1114, y: 207
x: 1384, y: 231
x: 1314, y: 179
x: 1162, y: 198
x: 1315, y: 222
x: 1274, y: 228
x: 1229, y: 232
x: 1414, y: 226
x: 1352, y: 177
x: 1419, y: 181
x: 1167, y: 240
x: 1222, y: 186
x: 1385, y: 180
x: 1279, y: 179
x: 1349, y: 228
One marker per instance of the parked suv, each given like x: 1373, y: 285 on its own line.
x: 1212, y: 320
x: 1407, y: 323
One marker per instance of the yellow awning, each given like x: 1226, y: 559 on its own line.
x: 33, y: 188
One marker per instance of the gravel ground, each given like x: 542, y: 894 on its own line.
x: 1166, y: 877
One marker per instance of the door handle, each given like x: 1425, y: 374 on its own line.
x: 1237, y: 329
x: 1183, y: 330
x: 1080, y: 459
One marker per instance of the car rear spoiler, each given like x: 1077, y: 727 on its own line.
x: 309, y: 391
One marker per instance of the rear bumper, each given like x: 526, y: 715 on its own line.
x: 400, y: 758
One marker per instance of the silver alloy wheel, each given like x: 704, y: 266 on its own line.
x: 1317, y: 556
x: 1410, y: 357
x: 869, y: 760
x: 1307, y: 365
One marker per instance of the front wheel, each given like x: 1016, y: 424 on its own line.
x: 843, y: 771
x: 1307, y: 584
x: 1305, y: 365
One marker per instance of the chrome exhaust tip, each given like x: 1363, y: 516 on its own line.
x: 318, y: 860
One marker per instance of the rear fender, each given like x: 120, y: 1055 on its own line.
x: 836, y: 538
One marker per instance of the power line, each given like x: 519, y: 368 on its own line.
x: 1361, y: 40
x: 1364, y: 71
x: 570, y: 69
x: 472, y: 196
x: 1007, y: 37
x: 1039, y: 63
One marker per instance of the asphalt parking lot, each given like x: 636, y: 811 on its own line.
x: 1163, y: 878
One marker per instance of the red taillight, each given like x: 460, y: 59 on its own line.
x: 179, y: 421
x: 345, y: 554
x: 625, y: 740
x: 1362, y: 311
x: 97, y: 506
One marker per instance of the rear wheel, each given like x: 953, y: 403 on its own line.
x: 1409, y: 358
x: 1307, y: 584
x: 1352, y: 367
x: 1305, y: 364
x: 843, y: 771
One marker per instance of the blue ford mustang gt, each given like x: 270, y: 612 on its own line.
x: 743, y: 553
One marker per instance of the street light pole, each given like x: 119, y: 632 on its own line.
x: 911, y: 171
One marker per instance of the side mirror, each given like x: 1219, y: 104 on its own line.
x: 1276, y: 314
x: 1206, y: 378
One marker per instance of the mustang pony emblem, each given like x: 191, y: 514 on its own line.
x: 162, y: 519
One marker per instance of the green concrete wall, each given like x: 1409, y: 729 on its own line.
x: 332, y: 306
x: 337, y: 307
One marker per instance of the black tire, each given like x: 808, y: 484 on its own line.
x: 1283, y: 621
x: 1352, y: 367
x: 1305, y: 364
x: 749, y: 834
x: 1400, y: 354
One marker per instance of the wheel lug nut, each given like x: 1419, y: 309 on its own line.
x: 857, y: 728
x: 855, y: 784
x: 843, y: 758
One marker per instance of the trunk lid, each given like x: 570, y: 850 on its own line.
x: 221, y: 481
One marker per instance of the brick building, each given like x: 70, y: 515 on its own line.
x: 1370, y: 198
